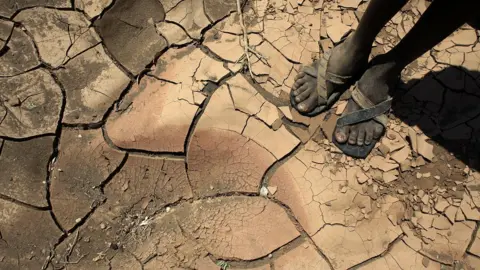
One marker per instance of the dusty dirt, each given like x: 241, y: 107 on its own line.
x: 133, y: 136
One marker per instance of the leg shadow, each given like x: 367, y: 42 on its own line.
x: 445, y: 105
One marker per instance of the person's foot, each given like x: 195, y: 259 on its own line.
x: 374, y: 84
x: 346, y: 60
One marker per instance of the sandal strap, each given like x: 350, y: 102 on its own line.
x: 323, y: 76
x: 370, y: 110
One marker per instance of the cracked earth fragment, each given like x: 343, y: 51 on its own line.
x: 96, y: 245
x: 29, y: 104
x: 356, y: 241
x: 224, y: 45
x: 248, y: 100
x: 402, y: 257
x: 191, y: 16
x: 246, y: 228
x: 24, y: 169
x: 20, y: 56
x: 26, y: 236
x: 83, y: 163
x: 296, y: 191
x: 236, y: 160
x: 302, y: 257
x: 6, y: 28
x: 147, y: 184
x: 174, y: 34
x: 475, y: 248
x: 215, y: 12
x: 231, y: 24
x: 128, y: 27
x: 278, y: 69
x: 58, y: 34
x: 165, y: 106
x: 8, y: 8
x: 183, y: 237
x: 92, y: 8
x: 291, y: 39
x: 92, y: 84
x: 448, y: 245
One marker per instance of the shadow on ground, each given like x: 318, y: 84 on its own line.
x: 445, y: 105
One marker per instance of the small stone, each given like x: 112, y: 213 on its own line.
x: 400, y: 191
x: 344, y: 189
x: 102, y: 226
x: 375, y: 188
x: 419, y: 175
x: 78, y: 220
x: 437, y: 177
x: 168, y: 209
x: 427, y: 174
x: 263, y: 192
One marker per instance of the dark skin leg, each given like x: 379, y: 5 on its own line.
x: 351, y: 55
x: 441, y: 19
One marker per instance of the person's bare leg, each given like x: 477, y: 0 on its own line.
x: 440, y: 19
x: 350, y: 55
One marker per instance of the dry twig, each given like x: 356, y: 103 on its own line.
x: 246, y: 46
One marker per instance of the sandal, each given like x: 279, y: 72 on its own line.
x: 318, y: 70
x: 369, y: 111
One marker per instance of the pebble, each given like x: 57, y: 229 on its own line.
x: 263, y: 192
x: 78, y: 220
x: 102, y: 226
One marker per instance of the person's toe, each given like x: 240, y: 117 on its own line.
x: 300, y: 75
x: 377, y: 130
x: 342, y: 133
x: 368, y: 136
x: 304, y: 93
x: 299, y: 82
x: 308, y: 104
x: 361, y: 136
x: 352, y: 138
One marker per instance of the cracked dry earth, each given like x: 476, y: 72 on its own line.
x: 132, y: 136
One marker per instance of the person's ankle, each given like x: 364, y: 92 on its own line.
x: 357, y: 45
x: 391, y: 66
